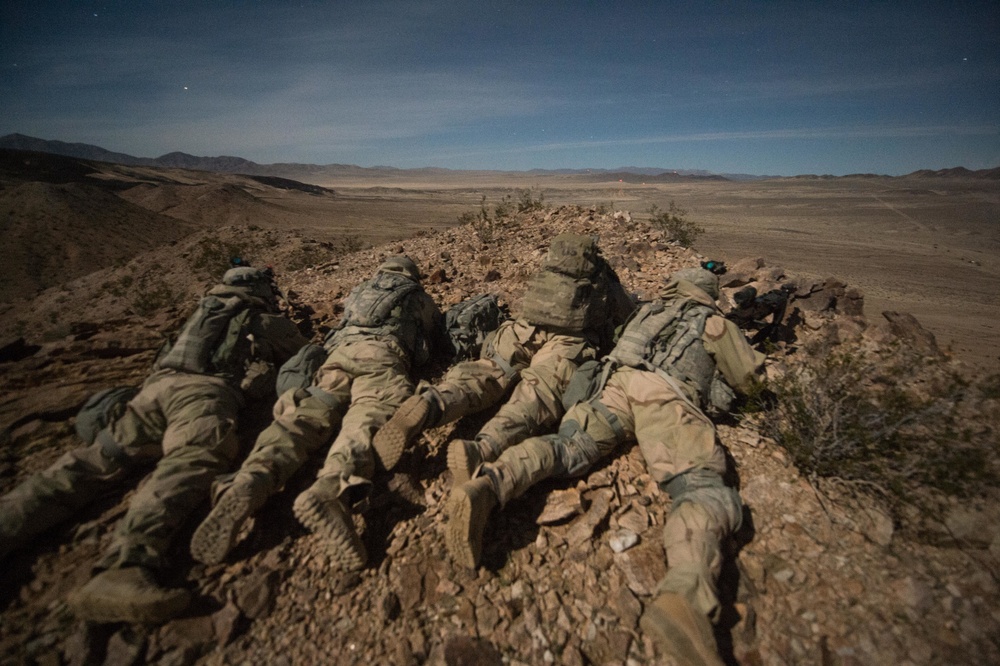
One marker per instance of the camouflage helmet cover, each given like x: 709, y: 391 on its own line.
x: 701, y: 278
x: 255, y: 280
x: 402, y: 264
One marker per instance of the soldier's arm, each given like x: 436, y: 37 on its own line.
x: 279, y: 337
x: 738, y: 362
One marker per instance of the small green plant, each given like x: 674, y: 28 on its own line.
x: 310, y: 255
x: 675, y: 224
x: 351, y: 243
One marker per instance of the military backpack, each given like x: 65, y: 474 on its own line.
x: 215, y: 340
x: 375, y: 302
x: 468, y: 322
x: 569, y: 293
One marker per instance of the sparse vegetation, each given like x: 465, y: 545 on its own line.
x: 310, y: 255
x: 887, y: 421
x: 528, y: 202
x: 486, y: 222
x: 675, y: 224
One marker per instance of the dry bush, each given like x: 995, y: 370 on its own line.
x: 907, y: 427
x: 674, y: 223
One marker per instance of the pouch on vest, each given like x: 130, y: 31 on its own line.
x: 583, y: 384
x: 468, y: 322
x: 298, y: 371
x: 102, y: 409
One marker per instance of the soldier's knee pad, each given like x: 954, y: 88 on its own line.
x: 576, y: 449
x: 705, y: 488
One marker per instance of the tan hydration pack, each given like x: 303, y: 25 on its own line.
x: 569, y: 293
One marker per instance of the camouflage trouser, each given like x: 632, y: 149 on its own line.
x: 538, y: 364
x: 185, y: 422
x: 360, y: 385
x: 679, y: 446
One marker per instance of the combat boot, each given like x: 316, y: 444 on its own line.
x: 468, y: 510
x: 680, y: 630
x: 465, y: 455
x: 416, y: 414
x: 127, y: 595
x: 215, y: 537
x: 320, y: 510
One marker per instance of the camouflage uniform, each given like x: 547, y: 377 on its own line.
x: 362, y: 382
x: 183, y: 421
x: 661, y: 409
x: 535, y: 359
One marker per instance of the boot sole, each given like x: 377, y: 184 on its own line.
x: 674, y: 640
x: 466, y: 523
x: 459, y: 463
x: 216, y: 536
x: 392, y: 439
x: 335, y: 528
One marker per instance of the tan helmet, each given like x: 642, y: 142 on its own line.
x: 401, y: 264
x: 699, y: 277
x: 255, y: 281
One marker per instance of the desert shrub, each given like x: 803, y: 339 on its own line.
x: 485, y: 222
x: 528, y: 202
x: 309, y: 255
x: 674, y: 223
x: 351, y: 243
x: 887, y: 420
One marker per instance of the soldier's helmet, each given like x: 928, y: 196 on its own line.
x: 699, y: 277
x: 401, y: 264
x: 256, y: 281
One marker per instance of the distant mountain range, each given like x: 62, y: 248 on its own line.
x: 304, y: 172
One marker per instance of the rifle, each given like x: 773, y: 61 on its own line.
x: 752, y: 311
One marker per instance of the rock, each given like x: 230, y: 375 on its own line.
x: 560, y: 505
x: 582, y: 529
x: 643, y: 567
x: 125, y: 648
x: 255, y: 594
x: 188, y: 635
x: 906, y: 327
x: 622, y: 540
x: 635, y: 519
x: 467, y: 651
x: 226, y: 623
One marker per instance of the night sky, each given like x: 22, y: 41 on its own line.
x: 778, y: 88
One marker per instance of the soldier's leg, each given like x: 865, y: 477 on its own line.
x: 678, y: 443
x: 380, y: 385
x: 81, y: 475
x: 535, y: 405
x: 467, y: 388
x: 305, y: 419
x: 199, y: 444
x: 589, y: 431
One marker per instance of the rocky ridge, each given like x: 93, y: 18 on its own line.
x: 818, y: 577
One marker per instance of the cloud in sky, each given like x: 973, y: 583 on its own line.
x: 514, y: 84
